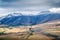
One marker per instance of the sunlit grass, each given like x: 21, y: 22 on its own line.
x: 25, y: 37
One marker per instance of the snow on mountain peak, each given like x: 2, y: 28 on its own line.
x: 13, y: 14
x: 16, y: 14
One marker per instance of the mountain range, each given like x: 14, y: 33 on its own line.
x: 18, y: 19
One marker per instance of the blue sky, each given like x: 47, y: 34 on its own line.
x: 28, y: 6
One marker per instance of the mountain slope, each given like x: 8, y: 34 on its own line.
x: 13, y: 20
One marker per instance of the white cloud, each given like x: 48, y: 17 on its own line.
x: 55, y: 10
x: 29, y: 12
x: 6, y: 11
x: 3, y: 12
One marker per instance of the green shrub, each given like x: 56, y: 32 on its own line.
x: 2, y: 33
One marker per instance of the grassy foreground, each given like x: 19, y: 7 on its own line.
x: 24, y: 37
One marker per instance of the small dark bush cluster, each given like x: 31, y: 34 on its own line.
x: 2, y: 33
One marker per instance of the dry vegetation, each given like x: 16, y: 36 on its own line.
x: 15, y: 33
x: 25, y: 37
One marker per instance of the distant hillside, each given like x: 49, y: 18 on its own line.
x: 19, y: 19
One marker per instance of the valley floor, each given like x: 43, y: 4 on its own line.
x: 25, y: 37
x: 46, y: 31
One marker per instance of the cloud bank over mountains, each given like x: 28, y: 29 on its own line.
x: 28, y: 6
x: 4, y: 12
x: 55, y: 10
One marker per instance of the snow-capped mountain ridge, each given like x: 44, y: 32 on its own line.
x: 15, y: 19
